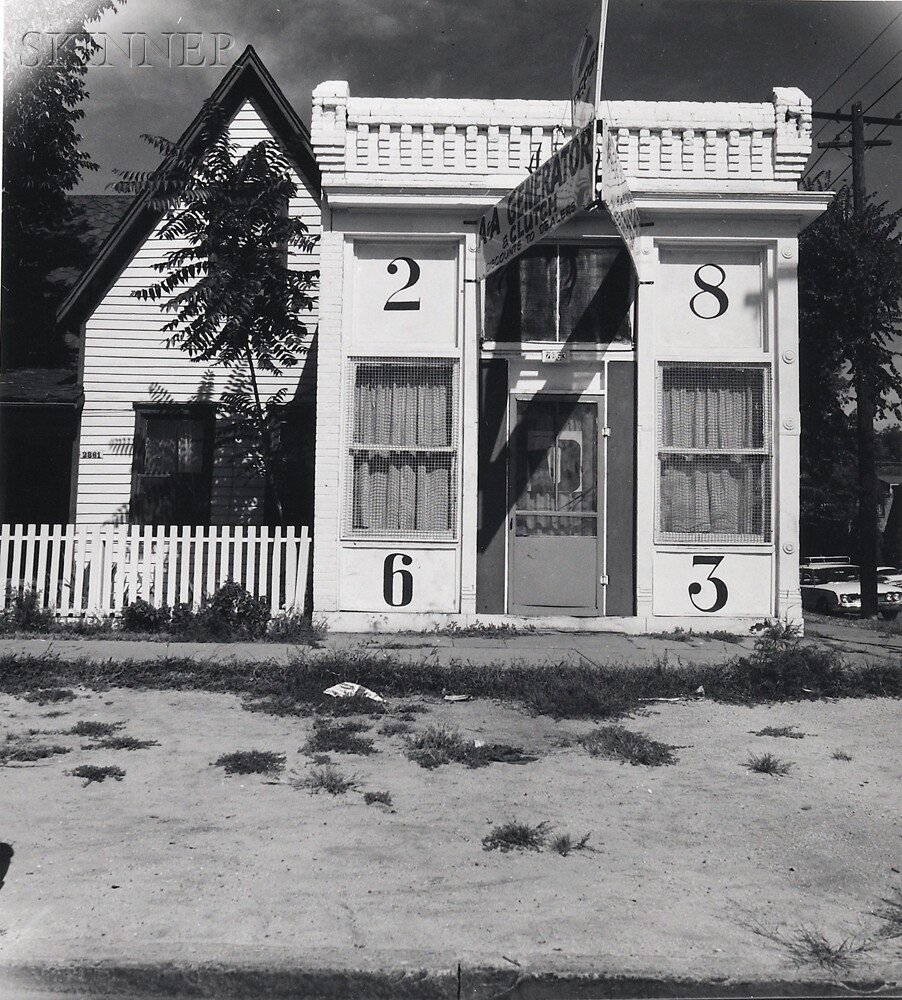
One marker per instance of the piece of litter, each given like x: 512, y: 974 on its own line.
x: 478, y: 743
x: 456, y: 697
x: 681, y: 698
x: 348, y: 689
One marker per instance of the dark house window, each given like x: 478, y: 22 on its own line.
x: 172, y: 465
x: 564, y: 293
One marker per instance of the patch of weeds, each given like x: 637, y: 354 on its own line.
x: 678, y: 634
x: 413, y: 708
x: 516, y: 837
x: 841, y: 755
x: 49, y: 696
x: 564, y: 843
x: 91, y: 772
x: 24, y: 613
x: 808, y: 946
x: 55, y: 714
x: 483, y: 630
x: 618, y: 743
x: 94, y: 729
x: 18, y: 752
x: 377, y: 798
x: 394, y: 727
x: 328, y: 779
x: 338, y: 737
x: 251, y: 762
x: 123, y: 743
x: 292, y: 626
x: 787, y: 732
x: 321, y: 758
x: 723, y: 636
x: 437, y: 745
x: 356, y: 704
x: 890, y: 913
x: 767, y: 763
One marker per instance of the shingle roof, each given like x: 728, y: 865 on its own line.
x: 40, y: 385
x: 95, y: 218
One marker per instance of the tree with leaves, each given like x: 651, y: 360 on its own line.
x: 44, y: 89
x: 850, y: 309
x: 235, y: 300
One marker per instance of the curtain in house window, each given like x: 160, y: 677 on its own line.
x: 710, y: 495
x: 403, y: 455
x: 171, y: 468
x: 714, y: 463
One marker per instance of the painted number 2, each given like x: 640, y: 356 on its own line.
x: 404, y: 576
x: 392, y: 303
x: 709, y: 291
x: 720, y: 588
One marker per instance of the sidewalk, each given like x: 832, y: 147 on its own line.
x: 534, y: 647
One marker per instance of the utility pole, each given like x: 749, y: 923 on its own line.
x: 863, y: 368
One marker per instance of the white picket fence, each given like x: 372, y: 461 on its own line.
x: 93, y: 570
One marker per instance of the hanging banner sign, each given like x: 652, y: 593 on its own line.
x: 562, y: 186
x: 585, y: 72
x: 616, y: 194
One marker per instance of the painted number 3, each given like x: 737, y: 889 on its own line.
x: 720, y: 588
x: 704, y: 308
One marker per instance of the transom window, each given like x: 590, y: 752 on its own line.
x: 562, y: 293
x: 714, y: 452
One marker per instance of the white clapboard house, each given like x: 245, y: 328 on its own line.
x: 574, y: 440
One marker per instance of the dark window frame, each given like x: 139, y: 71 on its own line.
x: 203, y: 412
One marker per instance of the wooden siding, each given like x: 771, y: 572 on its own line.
x: 126, y: 361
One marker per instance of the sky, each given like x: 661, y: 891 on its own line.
x: 702, y: 50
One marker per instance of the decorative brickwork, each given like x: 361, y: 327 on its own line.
x: 660, y: 143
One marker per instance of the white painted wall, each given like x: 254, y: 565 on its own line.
x: 126, y: 361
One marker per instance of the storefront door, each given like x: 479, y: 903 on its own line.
x: 554, y: 561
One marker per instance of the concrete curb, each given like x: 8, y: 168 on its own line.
x: 180, y: 982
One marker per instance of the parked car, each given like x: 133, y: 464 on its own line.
x: 891, y: 575
x: 831, y: 585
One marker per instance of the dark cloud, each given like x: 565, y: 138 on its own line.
x: 657, y: 50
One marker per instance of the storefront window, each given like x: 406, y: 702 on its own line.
x: 562, y: 293
x: 403, y: 450
x: 714, y: 455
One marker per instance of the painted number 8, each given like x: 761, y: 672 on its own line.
x: 716, y: 291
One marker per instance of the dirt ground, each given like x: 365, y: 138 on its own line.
x: 180, y: 862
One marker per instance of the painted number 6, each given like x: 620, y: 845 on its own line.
x: 720, y: 588
x: 390, y: 574
x: 708, y: 289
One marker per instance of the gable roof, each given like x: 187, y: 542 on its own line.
x: 247, y: 79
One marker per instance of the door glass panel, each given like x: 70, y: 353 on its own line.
x: 557, y: 472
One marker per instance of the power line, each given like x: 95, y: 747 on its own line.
x: 851, y: 97
x: 846, y: 128
x: 877, y: 136
x: 860, y: 54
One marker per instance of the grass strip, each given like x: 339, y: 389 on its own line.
x: 565, y: 690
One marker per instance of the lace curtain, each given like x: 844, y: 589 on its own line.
x: 403, y: 456
x: 714, y: 464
